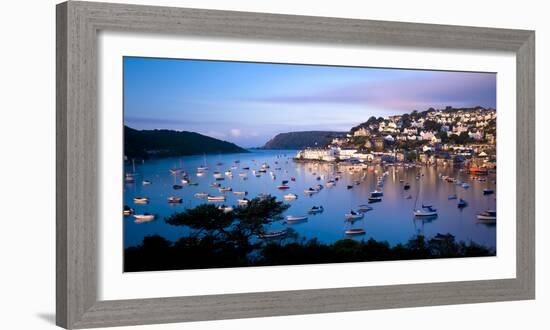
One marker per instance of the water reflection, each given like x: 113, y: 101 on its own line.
x: 391, y: 219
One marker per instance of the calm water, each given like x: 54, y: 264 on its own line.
x: 390, y: 220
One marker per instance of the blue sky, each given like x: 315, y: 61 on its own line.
x: 248, y: 103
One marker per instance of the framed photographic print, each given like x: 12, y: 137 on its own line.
x: 216, y: 165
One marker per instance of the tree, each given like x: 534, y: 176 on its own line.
x: 431, y: 125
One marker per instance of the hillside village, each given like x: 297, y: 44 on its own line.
x: 452, y: 136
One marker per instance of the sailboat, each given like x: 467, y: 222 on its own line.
x: 203, y: 167
x: 176, y: 170
x: 130, y: 177
x: 427, y: 211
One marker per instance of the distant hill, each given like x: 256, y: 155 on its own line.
x: 168, y: 143
x: 301, y: 140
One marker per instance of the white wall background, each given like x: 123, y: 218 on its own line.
x: 27, y: 162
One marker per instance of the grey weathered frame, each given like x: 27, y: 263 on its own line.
x: 77, y: 149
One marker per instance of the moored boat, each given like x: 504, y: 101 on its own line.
x: 364, y: 208
x: 127, y: 210
x: 316, y: 209
x: 375, y: 199
x: 487, y: 216
x: 355, y: 231
x: 143, y: 217
x: 294, y: 218
x: 225, y: 209
x: 425, y: 212
x: 273, y: 234
x: 310, y: 191
x: 376, y: 193
x: 290, y: 196
x: 243, y: 201
x: 354, y: 215
x: 201, y: 195
x: 174, y: 200
x: 141, y: 200
x: 480, y: 170
x: 216, y: 198
x: 488, y: 191
x: 461, y: 203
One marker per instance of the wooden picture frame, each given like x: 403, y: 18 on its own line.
x: 78, y: 24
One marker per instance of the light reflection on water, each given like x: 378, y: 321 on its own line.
x: 391, y: 220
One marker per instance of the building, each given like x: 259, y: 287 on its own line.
x: 344, y: 154
x: 379, y: 143
x: 327, y: 155
x: 361, y: 132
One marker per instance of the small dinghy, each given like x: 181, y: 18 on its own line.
x: 243, y: 201
x: 141, y: 200
x: 283, y: 187
x: 174, y: 200
x: 364, y: 208
x: 201, y: 195
x: 226, y: 209
x: 146, y: 182
x: 240, y: 193
x: 487, y: 216
x: 177, y: 186
x: 316, y: 209
x: 290, y: 196
x: 376, y: 193
x: 216, y: 198
x: 451, y: 197
x: 225, y: 189
x: 294, y: 218
x: 273, y: 234
x: 214, y: 185
x: 145, y: 217
x: 461, y: 203
x: 310, y: 191
x: 355, y: 231
x: 354, y: 215
x: 488, y: 191
x: 407, y: 186
x: 127, y: 210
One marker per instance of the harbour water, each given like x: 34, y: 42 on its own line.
x: 390, y: 220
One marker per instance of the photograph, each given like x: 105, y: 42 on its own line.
x: 248, y: 164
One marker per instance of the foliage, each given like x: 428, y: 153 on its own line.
x: 167, y: 143
x: 156, y: 253
x: 302, y: 140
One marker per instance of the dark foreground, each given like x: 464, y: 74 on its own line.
x: 157, y: 253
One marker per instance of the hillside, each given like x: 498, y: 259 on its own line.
x: 301, y: 140
x: 168, y: 143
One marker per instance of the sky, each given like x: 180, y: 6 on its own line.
x: 249, y: 103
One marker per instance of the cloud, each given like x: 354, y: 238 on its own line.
x: 235, y: 132
x: 430, y: 89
